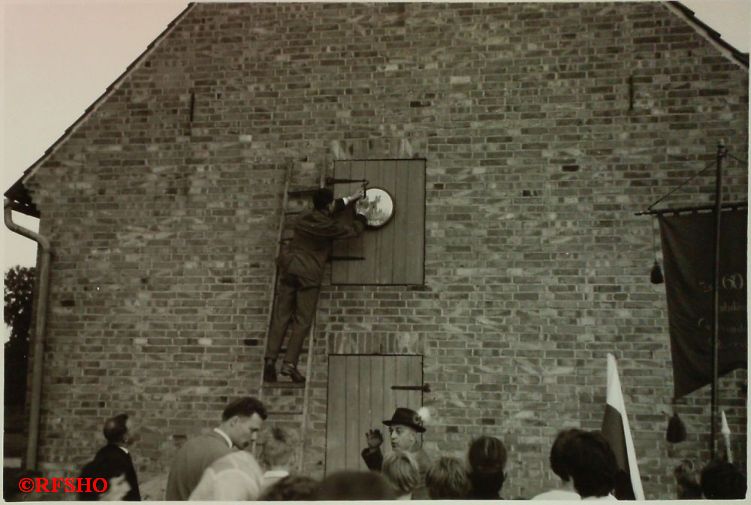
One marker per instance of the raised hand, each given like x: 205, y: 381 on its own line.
x: 374, y: 438
x: 357, y: 195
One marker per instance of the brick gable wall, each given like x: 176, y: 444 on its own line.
x: 537, y: 154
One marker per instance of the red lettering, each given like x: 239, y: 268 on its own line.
x: 42, y: 485
x: 87, y: 487
x: 103, y: 483
x: 70, y: 485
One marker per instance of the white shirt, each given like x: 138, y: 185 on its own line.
x: 234, y: 477
x: 271, y: 477
x: 557, y: 494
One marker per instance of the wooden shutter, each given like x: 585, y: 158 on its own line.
x: 395, y: 253
x: 360, y: 397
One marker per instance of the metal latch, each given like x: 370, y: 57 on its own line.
x: 425, y: 388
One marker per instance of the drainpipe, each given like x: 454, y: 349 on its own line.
x: 38, y: 336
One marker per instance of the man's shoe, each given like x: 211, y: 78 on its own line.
x: 269, y: 371
x: 292, y: 372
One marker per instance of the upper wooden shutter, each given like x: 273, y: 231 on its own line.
x: 395, y: 253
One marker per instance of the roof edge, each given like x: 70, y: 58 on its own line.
x: 710, y: 34
x: 18, y: 192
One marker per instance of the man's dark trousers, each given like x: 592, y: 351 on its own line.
x: 295, y: 306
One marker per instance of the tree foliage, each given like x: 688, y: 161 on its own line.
x: 19, y: 295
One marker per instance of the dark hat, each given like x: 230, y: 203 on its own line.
x: 406, y: 417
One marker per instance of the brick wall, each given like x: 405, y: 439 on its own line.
x: 162, y: 209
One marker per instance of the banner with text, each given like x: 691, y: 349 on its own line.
x: 688, y: 253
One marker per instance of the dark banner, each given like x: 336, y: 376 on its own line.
x: 688, y: 252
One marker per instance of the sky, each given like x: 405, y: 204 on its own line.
x: 58, y: 57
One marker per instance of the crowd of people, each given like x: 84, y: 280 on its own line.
x: 222, y: 466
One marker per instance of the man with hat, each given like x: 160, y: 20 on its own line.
x: 404, y: 427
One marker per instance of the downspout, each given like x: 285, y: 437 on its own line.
x: 39, y: 333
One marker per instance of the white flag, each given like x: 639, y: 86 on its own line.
x: 616, y: 430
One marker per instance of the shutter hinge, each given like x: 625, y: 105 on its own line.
x: 425, y: 388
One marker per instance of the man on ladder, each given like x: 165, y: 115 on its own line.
x: 300, y: 275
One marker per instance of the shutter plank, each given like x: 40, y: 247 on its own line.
x: 365, y: 407
x: 377, y: 413
x: 415, y: 241
x: 375, y: 170
x: 414, y: 378
x: 372, y: 253
x: 402, y: 396
x: 339, y: 272
x: 356, y: 269
x: 336, y: 420
x: 389, y: 235
x: 351, y: 408
x: 402, y: 195
x: 389, y: 398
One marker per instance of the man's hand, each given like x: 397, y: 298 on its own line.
x: 359, y: 194
x: 116, y: 490
x: 374, y: 438
x: 355, y: 196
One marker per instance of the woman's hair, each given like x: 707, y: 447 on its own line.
x: 592, y: 464
x: 559, y: 461
x: 686, y: 482
x: 355, y: 485
x: 291, y: 488
x: 721, y: 480
x: 487, y: 461
x: 447, y: 480
x: 401, y: 469
x: 277, y: 447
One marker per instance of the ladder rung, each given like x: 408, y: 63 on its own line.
x: 284, y: 385
x: 283, y: 350
x: 302, y: 191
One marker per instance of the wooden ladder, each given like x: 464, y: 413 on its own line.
x: 288, y: 402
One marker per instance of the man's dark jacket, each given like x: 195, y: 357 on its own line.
x: 109, y: 462
x: 315, y: 232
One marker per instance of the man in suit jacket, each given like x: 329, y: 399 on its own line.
x: 300, y: 275
x: 241, y: 421
x: 113, y: 460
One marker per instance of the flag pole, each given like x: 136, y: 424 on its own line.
x: 716, y: 293
x: 726, y: 435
